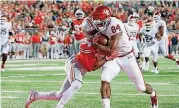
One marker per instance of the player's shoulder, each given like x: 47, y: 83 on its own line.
x: 143, y: 29
x: 136, y: 25
x: 126, y: 24
x: 163, y: 22
x: 115, y: 21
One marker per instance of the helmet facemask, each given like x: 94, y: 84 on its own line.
x: 148, y: 27
x: 79, y: 14
x: 100, y: 25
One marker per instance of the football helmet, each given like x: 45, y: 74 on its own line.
x: 3, y: 18
x: 148, y: 24
x: 100, y: 17
x: 131, y: 20
x: 157, y: 16
x: 79, y: 14
x: 136, y: 16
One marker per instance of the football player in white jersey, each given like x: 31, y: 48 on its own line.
x: 132, y: 29
x: 5, y: 27
x: 151, y: 46
x: 119, y: 44
x: 162, y: 36
x: 141, y: 45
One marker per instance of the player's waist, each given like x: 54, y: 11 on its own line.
x: 20, y: 42
x: 151, y: 44
x: 84, y: 63
x: 125, y: 54
x: 74, y: 60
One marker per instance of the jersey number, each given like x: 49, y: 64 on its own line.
x: 3, y: 31
x: 77, y: 28
x: 115, y: 28
x: 148, y: 38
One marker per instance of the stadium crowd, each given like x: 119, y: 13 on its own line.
x: 41, y: 29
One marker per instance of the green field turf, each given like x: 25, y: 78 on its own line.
x: 48, y: 75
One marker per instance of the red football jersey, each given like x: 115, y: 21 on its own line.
x: 86, y: 56
x: 78, y: 30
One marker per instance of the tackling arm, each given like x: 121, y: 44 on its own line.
x: 99, y: 63
x: 112, y: 46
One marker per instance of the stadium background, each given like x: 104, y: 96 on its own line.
x: 47, y: 75
x: 43, y: 17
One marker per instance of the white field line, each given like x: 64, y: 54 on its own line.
x: 42, y: 75
x: 58, y: 67
x: 9, y: 97
x: 40, y: 64
x: 88, y: 94
x: 86, y: 82
x: 35, y: 60
x: 37, y: 68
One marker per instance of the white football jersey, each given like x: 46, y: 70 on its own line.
x: 149, y: 36
x: 132, y: 30
x: 159, y: 23
x: 4, y: 32
x: 114, y: 27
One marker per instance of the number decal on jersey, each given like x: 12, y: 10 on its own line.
x: 115, y: 28
x: 148, y: 38
x: 132, y: 35
x: 3, y: 31
x: 77, y: 28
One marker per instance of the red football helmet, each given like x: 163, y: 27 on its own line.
x: 100, y: 17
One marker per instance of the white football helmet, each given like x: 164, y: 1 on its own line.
x: 136, y: 16
x: 3, y: 19
x: 79, y: 14
x: 157, y: 16
x: 131, y: 20
x: 148, y: 24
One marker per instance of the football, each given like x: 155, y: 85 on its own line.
x: 102, y: 40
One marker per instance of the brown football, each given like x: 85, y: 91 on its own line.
x: 103, y: 40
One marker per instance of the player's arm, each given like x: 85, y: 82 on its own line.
x: 160, y: 33
x: 99, y: 63
x: 112, y: 45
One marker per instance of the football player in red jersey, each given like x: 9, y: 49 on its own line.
x: 118, y: 44
x: 87, y: 60
x: 77, y: 33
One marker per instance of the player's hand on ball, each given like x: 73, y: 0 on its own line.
x: 95, y: 40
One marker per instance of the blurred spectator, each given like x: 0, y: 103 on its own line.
x: 45, y: 45
x: 68, y: 46
x: 174, y: 41
x: 36, y: 41
x: 47, y: 16
x: 27, y: 45
x: 53, y: 45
